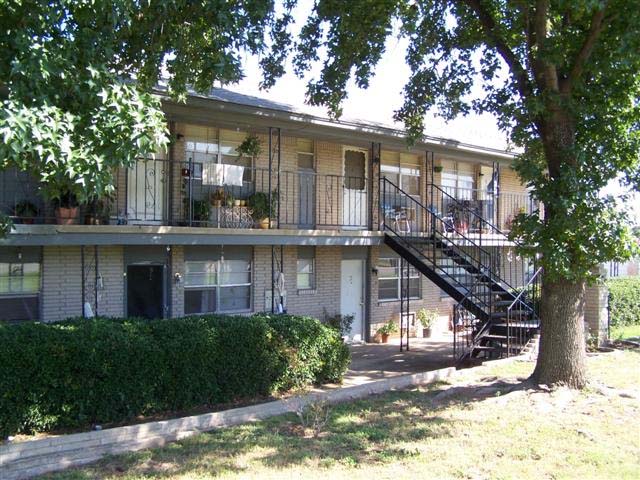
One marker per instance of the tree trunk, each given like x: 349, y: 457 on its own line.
x: 561, y: 359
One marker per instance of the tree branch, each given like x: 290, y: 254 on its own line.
x: 490, y: 27
x: 597, y: 24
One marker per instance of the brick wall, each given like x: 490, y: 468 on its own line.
x: 383, y: 311
x: 61, y: 283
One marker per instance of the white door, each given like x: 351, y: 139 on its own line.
x: 145, y: 199
x: 352, y: 296
x: 354, y: 198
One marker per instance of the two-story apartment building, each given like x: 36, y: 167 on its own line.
x: 360, y: 225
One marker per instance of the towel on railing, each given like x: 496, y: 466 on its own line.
x: 220, y: 174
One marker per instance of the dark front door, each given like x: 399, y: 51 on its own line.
x: 307, y: 198
x: 145, y: 296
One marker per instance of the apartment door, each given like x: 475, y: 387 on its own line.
x: 487, y: 185
x: 306, y: 191
x: 352, y: 296
x: 145, y: 291
x: 354, y: 198
x: 145, y: 192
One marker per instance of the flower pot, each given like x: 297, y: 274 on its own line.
x: 217, y: 203
x: 264, y: 223
x: 67, y: 215
x: 236, y: 203
x: 426, y: 333
x: 384, y: 337
x: 93, y: 220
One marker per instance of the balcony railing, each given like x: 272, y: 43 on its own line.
x: 159, y: 192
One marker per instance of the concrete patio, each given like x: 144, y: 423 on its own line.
x: 374, y: 361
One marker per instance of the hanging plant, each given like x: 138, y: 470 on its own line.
x: 249, y: 147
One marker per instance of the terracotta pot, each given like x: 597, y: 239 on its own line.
x: 426, y: 333
x: 67, y: 216
x: 384, y: 337
x: 264, y: 223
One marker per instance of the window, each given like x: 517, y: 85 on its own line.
x: 457, y: 179
x: 208, y: 146
x: 304, y: 149
x: 20, y: 277
x: 219, y: 285
x: 306, y: 268
x: 389, y: 280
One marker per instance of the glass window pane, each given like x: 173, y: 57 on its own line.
x: 411, y: 184
x: 388, y: 289
x: 305, y: 160
x: 235, y: 272
x: 414, y: 288
x: 199, y: 301
x: 200, y: 274
x: 235, y: 298
x: 304, y: 281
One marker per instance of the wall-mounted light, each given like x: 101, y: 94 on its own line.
x: 374, y: 270
x: 177, y: 279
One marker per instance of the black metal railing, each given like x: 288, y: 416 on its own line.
x: 478, y: 263
x: 196, y: 194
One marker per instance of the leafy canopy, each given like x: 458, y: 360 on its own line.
x: 76, y: 78
x: 561, y: 78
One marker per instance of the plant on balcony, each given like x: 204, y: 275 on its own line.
x: 98, y: 211
x: 201, y: 210
x: 64, y: 200
x: 218, y: 197
x: 26, y: 211
x: 259, y: 203
x: 250, y: 147
x: 426, y: 318
x: 387, y: 329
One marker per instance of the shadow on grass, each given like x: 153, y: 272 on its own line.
x: 375, y: 430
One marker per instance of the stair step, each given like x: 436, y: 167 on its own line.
x: 519, y: 313
x: 519, y: 324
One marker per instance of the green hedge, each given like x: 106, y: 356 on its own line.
x: 624, y: 301
x: 81, y: 372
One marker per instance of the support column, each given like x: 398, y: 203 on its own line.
x: 596, y: 312
x: 374, y: 186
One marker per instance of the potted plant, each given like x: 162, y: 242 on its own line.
x: 386, y: 330
x: 230, y: 200
x: 259, y: 203
x: 201, y: 210
x: 26, y: 211
x: 66, y: 207
x: 250, y: 147
x: 99, y: 212
x: 438, y: 168
x: 217, y: 199
x: 427, y: 319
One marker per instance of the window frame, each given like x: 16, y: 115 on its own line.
x: 13, y: 295
x: 311, y: 275
x: 218, y: 286
x: 397, y: 278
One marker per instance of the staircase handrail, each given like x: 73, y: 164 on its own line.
x: 480, y: 217
x: 467, y: 239
x: 524, y: 289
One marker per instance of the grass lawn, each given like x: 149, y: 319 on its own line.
x: 629, y: 331
x: 487, y: 424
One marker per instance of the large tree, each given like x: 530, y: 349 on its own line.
x: 563, y: 80
x: 76, y: 79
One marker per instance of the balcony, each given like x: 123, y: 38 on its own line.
x: 159, y: 192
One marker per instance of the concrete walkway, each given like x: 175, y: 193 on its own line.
x: 374, y: 361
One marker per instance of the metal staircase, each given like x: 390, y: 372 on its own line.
x: 496, y: 292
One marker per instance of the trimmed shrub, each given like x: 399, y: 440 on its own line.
x: 82, y: 372
x: 624, y: 301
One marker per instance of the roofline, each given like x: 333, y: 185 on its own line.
x: 312, y: 123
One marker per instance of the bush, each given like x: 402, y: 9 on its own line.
x: 82, y: 372
x: 624, y: 301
